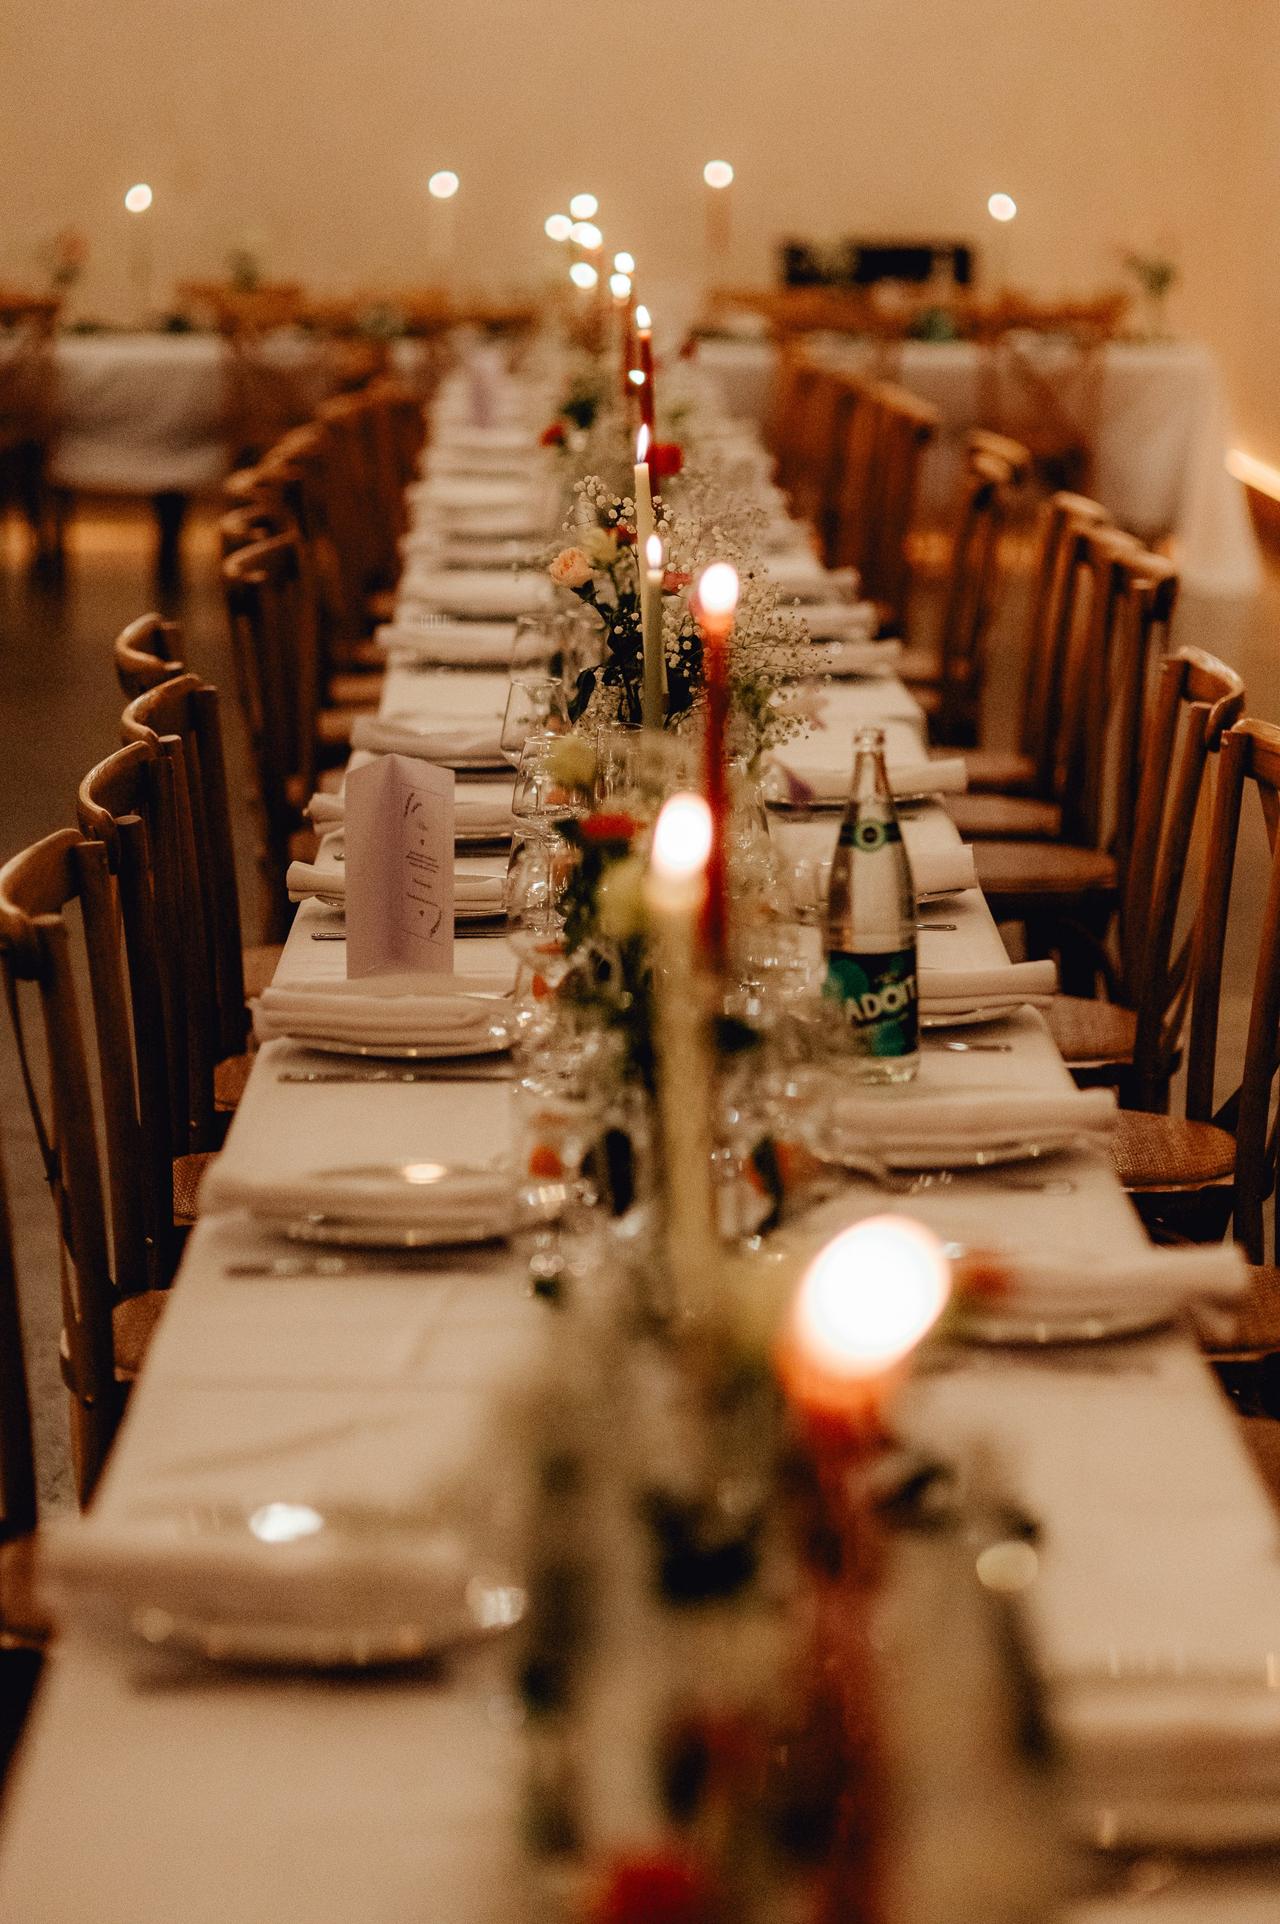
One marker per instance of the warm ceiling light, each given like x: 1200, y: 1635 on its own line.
x: 584, y: 207
x: 443, y: 186
x: 1002, y: 207
x: 139, y: 198
x: 587, y: 235
x: 718, y: 173
x: 583, y: 274
x: 557, y: 227
x: 624, y: 263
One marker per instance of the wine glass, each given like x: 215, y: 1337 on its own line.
x: 535, y: 705
x: 534, y: 646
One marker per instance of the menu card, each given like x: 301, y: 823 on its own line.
x: 399, y: 864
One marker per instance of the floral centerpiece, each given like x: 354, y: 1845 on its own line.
x: 599, y: 567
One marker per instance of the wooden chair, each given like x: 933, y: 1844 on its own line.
x: 1030, y: 769
x: 948, y: 679
x: 23, y: 1629
x: 272, y: 620
x: 1065, y: 890
x: 1134, y: 1039
x: 906, y: 428
x: 109, y: 1304
x: 181, y: 721
x: 146, y: 654
x: 1193, y: 1174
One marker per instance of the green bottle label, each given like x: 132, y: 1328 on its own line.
x: 866, y: 833
x: 879, y: 997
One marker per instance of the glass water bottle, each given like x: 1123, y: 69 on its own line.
x: 871, y: 925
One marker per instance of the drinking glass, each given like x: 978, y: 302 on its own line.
x: 535, y: 705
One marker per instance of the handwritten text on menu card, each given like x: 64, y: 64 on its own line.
x: 399, y: 864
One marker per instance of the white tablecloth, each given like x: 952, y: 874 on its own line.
x: 1162, y: 436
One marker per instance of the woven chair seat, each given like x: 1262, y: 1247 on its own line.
x: 188, y: 1174
x: 260, y: 964
x: 230, y: 1078
x: 1004, y: 817
x: 1091, y: 1032
x: 1042, y: 869
x: 998, y: 771
x: 1154, y: 1153
x: 133, y: 1323
x: 354, y: 690
x: 24, y: 1624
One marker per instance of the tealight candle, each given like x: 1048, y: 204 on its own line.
x: 651, y: 566
x: 675, y: 890
x: 717, y: 599
x: 867, y: 1299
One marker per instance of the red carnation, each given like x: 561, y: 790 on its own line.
x: 664, y: 1887
x: 619, y: 827
x: 626, y: 536
x: 553, y: 436
x: 674, y: 580
x: 665, y: 458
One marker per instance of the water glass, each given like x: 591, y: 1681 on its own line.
x: 536, y: 705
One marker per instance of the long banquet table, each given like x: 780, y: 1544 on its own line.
x: 147, y: 1792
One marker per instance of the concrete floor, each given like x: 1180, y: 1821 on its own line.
x: 59, y: 712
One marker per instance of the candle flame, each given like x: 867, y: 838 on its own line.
x: 870, y: 1296
x: 681, y: 837
x: 1002, y: 207
x: 718, y: 173
x: 583, y: 274
x: 587, y: 235
x: 620, y: 286
x: 139, y: 198
x: 718, y: 589
x: 654, y: 554
x: 636, y: 376
x: 643, y: 321
x: 642, y: 442
x: 557, y: 227
x: 584, y: 206
x: 444, y: 185
x: 625, y: 263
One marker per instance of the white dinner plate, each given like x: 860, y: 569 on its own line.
x: 922, y: 1157
x: 495, y: 1043
x: 375, y: 1232
x: 1003, y: 1331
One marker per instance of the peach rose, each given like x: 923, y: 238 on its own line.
x: 570, y: 569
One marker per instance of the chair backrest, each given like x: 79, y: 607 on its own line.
x: 986, y: 493
x: 271, y: 610
x: 358, y: 486
x: 1064, y: 520
x: 181, y: 720
x: 99, y: 1263
x: 905, y: 427
x: 848, y: 526
x: 146, y: 653
x: 137, y: 805
x: 1195, y: 700
x: 1249, y: 757
x: 17, y: 1451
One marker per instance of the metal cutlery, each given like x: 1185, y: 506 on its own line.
x: 959, y: 1048
x: 447, y: 1070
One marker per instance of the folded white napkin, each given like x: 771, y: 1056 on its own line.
x: 953, y: 991
x: 453, y: 744
x: 403, y: 1008
x: 943, y: 871
x: 473, y: 895
x: 804, y: 578
x: 483, y: 593
x: 510, y: 463
x: 916, y: 1116
x: 830, y: 784
x: 485, y: 644
x: 408, y: 1516
x: 865, y: 656
x: 457, y: 521
x: 840, y: 620
x: 480, y: 809
x: 471, y: 491
x: 1057, y: 1283
x: 459, y: 1201
x: 461, y: 437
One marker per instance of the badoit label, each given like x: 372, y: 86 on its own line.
x: 878, y: 993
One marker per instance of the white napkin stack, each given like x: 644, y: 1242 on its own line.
x: 479, y: 644
x: 860, y: 657
x: 956, y: 991
x: 481, y: 810
x: 943, y: 871
x: 803, y: 577
x: 461, y: 492
x: 929, y: 1116
x: 840, y: 620
x: 829, y: 785
x: 1052, y: 1284
x: 453, y: 744
x: 483, y: 594
x: 473, y: 895
x: 454, y: 1202
x: 401, y: 1010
